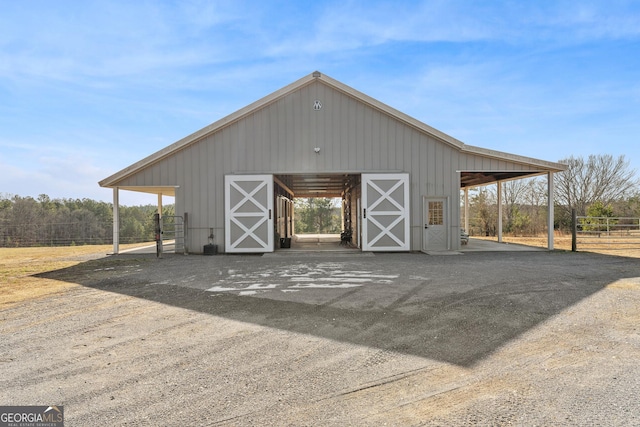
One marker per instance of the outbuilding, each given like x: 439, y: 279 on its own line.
x: 399, y: 179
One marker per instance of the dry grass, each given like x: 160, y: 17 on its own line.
x: 609, y: 246
x: 18, y: 266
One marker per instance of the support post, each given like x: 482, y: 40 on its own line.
x: 466, y: 209
x: 160, y: 204
x: 550, y: 212
x: 157, y: 221
x: 116, y: 221
x: 574, y: 230
x: 499, y: 211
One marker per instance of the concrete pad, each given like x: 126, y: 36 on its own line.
x: 481, y: 245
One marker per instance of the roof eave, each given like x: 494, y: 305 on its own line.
x: 545, y: 165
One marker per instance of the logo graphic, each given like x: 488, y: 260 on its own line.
x: 32, y: 416
x: 317, y: 105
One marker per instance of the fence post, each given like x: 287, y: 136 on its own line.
x: 574, y: 230
x: 158, y: 233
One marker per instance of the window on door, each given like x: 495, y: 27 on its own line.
x: 436, y: 213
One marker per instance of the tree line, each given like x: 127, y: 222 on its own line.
x: 25, y: 221
x: 595, y: 186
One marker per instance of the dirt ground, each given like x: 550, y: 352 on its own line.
x: 305, y: 339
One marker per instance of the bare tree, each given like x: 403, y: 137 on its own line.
x: 598, y: 178
x: 483, y: 211
x: 513, y: 193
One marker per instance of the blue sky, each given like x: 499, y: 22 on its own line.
x: 90, y: 87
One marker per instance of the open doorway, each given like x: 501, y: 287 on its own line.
x: 318, y: 222
x: 316, y: 212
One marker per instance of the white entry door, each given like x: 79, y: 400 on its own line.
x: 434, y: 237
x: 248, y: 213
x: 385, y: 212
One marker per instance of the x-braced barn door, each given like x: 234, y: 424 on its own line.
x: 385, y: 212
x: 248, y: 209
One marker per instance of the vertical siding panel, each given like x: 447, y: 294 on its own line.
x: 213, y: 195
x: 378, y: 144
x: 254, y: 131
x: 156, y: 176
x: 338, y: 131
x: 369, y: 155
x: 405, y: 149
x: 345, y: 142
x: 181, y: 201
x: 303, y: 131
x: 383, y: 142
x: 270, y: 146
x: 307, y: 129
x: 415, y: 160
x: 287, y: 127
x: 415, y: 182
x: 291, y: 158
x: 147, y: 177
x: 352, y: 140
x: 228, y: 148
x: 260, y: 139
x: 172, y: 176
x: 242, y: 145
x: 231, y: 142
x: 220, y: 171
x: 295, y: 156
x: 463, y: 161
x: 331, y: 156
x: 392, y: 143
x: 324, y: 160
x: 448, y: 167
x: 430, y: 166
x: 335, y: 128
x: 281, y: 131
x: 180, y: 169
x: 360, y: 137
x: 194, y: 183
x: 440, y: 168
x: 203, y: 179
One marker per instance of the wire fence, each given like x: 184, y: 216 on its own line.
x: 606, y: 233
x: 68, y: 234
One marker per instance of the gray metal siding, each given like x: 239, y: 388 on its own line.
x: 280, y: 138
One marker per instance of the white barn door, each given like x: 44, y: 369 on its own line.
x: 248, y: 213
x: 385, y: 212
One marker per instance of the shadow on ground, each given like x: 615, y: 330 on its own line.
x: 455, y: 309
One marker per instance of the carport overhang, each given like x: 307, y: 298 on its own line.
x: 159, y: 190
x: 471, y: 179
x: 531, y: 167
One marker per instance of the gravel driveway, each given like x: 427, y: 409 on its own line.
x: 511, y: 338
